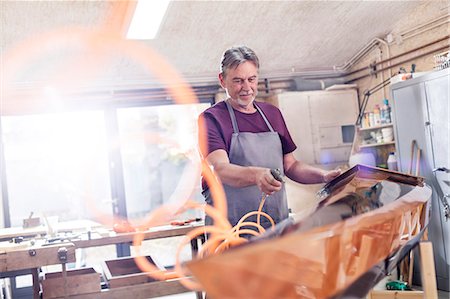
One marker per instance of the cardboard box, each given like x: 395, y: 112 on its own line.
x: 79, y: 281
x: 406, y: 76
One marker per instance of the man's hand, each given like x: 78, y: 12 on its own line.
x: 329, y: 175
x: 242, y: 176
x: 266, y: 182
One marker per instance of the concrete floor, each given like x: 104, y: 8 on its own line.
x: 441, y: 295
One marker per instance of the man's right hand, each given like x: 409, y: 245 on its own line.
x: 242, y: 176
x: 266, y: 182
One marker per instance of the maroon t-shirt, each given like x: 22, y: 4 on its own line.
x: 219, y: 128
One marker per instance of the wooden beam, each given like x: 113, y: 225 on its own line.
x: 428, y: 272
x: 138, y: 291
x: 35, y: 257
x: 396, y: 295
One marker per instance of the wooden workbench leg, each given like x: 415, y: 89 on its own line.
x: 428, y: 272
x: 8, y: 293
x: 36, y: 286
x: 194, y: 250
x: 194, y: 247
x: 411, y: 268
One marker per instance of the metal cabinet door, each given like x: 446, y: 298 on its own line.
x: 437, y: 92
x: 410, y: 113
x: 408, y: 105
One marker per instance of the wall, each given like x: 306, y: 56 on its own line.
x: 2, y: 216
x: 406, y: 38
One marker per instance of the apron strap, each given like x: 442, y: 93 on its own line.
x: 234, y: 122
x: 263, y: 116
x: 233, y: 117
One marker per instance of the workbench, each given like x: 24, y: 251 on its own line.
x: 27, y: 259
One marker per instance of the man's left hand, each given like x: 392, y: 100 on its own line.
x: 328, y: 176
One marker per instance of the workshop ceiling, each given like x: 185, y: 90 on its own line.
x: 289, y: 36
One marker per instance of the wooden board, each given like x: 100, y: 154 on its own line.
x: 7, y: 246
x: 428, y: 271
x: 65, y: 226
x: 395, y: 295
x: 139, y: 291
x: 165, y: 231
x: 34, y: 257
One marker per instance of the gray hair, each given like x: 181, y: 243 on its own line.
x: 235, y: 56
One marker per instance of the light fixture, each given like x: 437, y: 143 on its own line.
x: 147, y: 19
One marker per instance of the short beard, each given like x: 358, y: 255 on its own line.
x: 242, y: 104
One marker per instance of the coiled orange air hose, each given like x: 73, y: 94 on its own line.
x: 222, y: 237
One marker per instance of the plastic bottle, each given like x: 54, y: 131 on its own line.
x: 376, y: 115
x: 392, y: 162
x: 371, y: 120
x: 366, y: 122
x: 383, y: 115
x: 386, y: 109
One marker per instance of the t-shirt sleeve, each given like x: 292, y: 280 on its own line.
x: 288, y: 145
x: 214, y: 135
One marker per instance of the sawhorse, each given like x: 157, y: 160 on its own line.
x: 428, y: 275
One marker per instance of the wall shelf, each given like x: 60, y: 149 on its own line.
x: 376, y: 127
x: 376, y: 144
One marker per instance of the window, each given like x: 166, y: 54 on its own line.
x: 56, y: 164
x: 152, y: 164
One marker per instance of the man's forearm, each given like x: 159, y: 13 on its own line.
x: 235, y: 175
x: 304, y: 173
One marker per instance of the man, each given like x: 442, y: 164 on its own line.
x: 247, y: 139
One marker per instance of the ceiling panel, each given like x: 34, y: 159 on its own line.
x: 289, y: 36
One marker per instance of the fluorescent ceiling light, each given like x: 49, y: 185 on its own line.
x: 147, y: 18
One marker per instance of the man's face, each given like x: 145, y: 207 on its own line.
x: 241, y: 84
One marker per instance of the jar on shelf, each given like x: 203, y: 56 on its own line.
x: 379, y: 136
x: 392, y: 162
x: 388, y: 134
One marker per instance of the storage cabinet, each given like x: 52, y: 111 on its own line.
x: 321, y: 123
x: 421, y: 112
